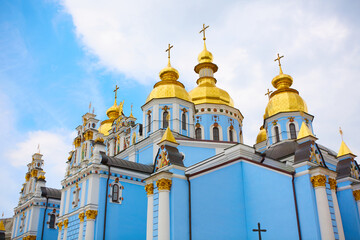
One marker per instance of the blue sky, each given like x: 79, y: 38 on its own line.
x: 57, y: 56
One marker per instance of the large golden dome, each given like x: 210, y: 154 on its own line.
x: 207, y: 91
x: 112, y: 113
x: 284, y: 99
x: 169, y: 87
x: 261, y: 135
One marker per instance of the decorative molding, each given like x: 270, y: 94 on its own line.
x: 66, y: 222
x: 81, y: 217
x: 356, y: 194
x: 318, y: 181
x: 164, y: 184
x: 60, y: 224
x: 149, y: 188
x: 332, y: 183
x: 30, y: 237
x: 91, y: 214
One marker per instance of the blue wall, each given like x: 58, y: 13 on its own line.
x: 194, y: 155
x: 309, y: 222
x: 179, y: 209
x: 126, y: 220
x: 49, y: 233
x: 218, y: 209
x: 349, y: 214
x: 146, y: 155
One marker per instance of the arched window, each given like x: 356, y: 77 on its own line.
x: 216, y: 134
x: 231, y: 136
x: 52, y: 220
x: 183, y: 121
x: 198, y: 133
x: 165, y: 121
x: 149, y: 123
x: 292, y: 131
x: 277, y: 135
x: 115, y: 193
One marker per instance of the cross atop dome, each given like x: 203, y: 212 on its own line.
x: 168, y: 51
x: 278, y: 59
x: 203, y: 31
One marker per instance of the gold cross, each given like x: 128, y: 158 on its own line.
x: 278, y: 59
x: 268, y: 93
x: 341, y: 133
x: 168, y: 50
x: 115, y: 91
x: 203, y: 31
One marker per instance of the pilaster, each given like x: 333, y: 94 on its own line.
x: 164, y: 186
x: 66, y: 222
x: 149, y: 188
x: 81, y: 227
x: 90, y: 224
x: 332, y: 183
x: 326, y: 229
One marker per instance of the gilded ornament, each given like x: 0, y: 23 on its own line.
x: 88, y: 135
x: 356, y: 194
x: 99, y: 139
x: 149, y: 188
x: 27, y: 177
x: 318, y: 181
x: 332, y: 183
x: 77, y: 142
x: 91, y: 214
x: 81, y: 217
x: 34, y: 173
x: 163, y: 184
x: 60, y: 224
x: 66, y: 222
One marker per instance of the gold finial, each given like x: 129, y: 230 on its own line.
x: 90, y: 106
x: 131, y: 115
x: 341, y: 134
x: 278, y: 59
x: 115, y: 91
x: 168, y: 51
x: 38, y: 148
x: 268, y: 93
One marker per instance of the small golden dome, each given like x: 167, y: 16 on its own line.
x: 113, y: 111
x: 205, y: 56
x: 284, y: 99
x: 169, y: 87
x: 105, y: 126
x: 261, y: 136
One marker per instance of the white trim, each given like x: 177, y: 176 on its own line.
x: 202, y: 132
x: 234, y: 134
x: 273, y: 133
x: 297, y: 129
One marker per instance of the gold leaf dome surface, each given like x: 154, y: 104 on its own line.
x: 205, y: 56
x: 284, y: 99
x: 208, y: 92
x: 105, y: 126
x: 169, y: 87
x: 261, y: 135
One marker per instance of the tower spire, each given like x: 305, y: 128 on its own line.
x: 115, y: 91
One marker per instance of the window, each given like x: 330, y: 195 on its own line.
x: 183, y: 121
x: 292, y: 131
x: 231, y: 136
x: 76, y: 196
x: 277, y: 135
x: 216, y: 134
x: 165, y: 121
x: 198, y: 133
x: 115, y: 193
x: 52, y: 219
x: 149, y: 122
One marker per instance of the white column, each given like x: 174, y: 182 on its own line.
x: 67, y: 200
x: 155, y: 118
x: 176, y: 118
x: 332, y: 183
x: 326, y: 228
x: 164, y: 186
x: 59, y: 234
x: 90, y: 224
x: 62, y: 203
x: 66, y: 221
x: 191, y: 123
x: 81, y: 228
x: 149, y: 222
x: 338, y: 215
x: 111, y: 146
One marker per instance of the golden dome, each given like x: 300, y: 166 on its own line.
x: 105, y: 126
x: 169, y: 87
x: 261, y: 136
x: 113, y: 111
x: 205, y: 56
x: 207, y: 91
x: 284, y: 99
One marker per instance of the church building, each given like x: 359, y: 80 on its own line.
x: 183, y: 172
